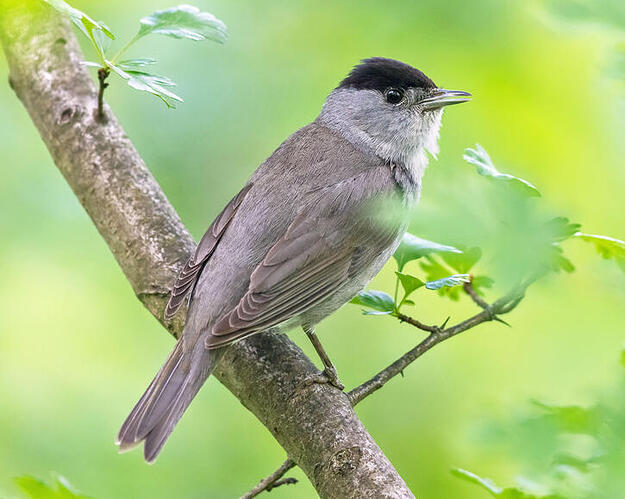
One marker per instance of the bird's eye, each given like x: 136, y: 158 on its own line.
x: 394, y: 95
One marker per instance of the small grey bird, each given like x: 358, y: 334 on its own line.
x: 301, y: 238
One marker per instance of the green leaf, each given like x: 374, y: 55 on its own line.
x: 184, y: 21
x: 147, y: 82
x: 561, y: 228
x: 91, y: 64
x: 451, y: 281
x: 489, y: 486
x: 463, y: 262
x: 480, y: 282
x: 409, y: 283
x: 607, y: 247
x: 485, y: 483
x: 480, y: 158
x: 557, y: 261
x: 434, y: 271
x: 413, y: 248
x: 379, y: 301
x: 135, y: 64
x: 571, y: 418
x: 93, y: 30
x: 623, y: 357
x: 38, y: 489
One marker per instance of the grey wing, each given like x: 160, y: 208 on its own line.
x: 188, y: 276
x: 302, y: 269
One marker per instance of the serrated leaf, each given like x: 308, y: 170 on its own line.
x: 184, y: 21
x: 451, y: 281
x: 561, y: 228
x: 409, y: 283
x: 91, y: 29
x: 77, y: 16
x: 607, y: 247
x: 413, y: 248
x: 134, y: 64
x: 480, y: 158
x: 557, y: 261
x: 379, y: 301
x: 102, y: 41
x: 464, y: 261
x: 147, y: 82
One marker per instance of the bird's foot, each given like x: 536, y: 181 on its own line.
x: 328, y: 375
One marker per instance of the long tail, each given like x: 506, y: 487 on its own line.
x: 159, y: 409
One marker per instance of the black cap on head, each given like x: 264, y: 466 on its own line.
x: 379, y: 73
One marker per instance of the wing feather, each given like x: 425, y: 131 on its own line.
x: 188, y: 276
x: 299, y: 271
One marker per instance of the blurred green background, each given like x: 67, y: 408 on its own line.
x: 77, y: 349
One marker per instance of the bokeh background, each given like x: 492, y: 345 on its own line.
x: 77, y: 349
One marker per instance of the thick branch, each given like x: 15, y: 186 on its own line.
x: 437, y: 335
x: 316, y: 425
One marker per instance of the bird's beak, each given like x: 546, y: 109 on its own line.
x: 441, y: 97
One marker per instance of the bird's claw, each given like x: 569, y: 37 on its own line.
x: 328, y: 375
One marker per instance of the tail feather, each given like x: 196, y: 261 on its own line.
x: 162, y: 405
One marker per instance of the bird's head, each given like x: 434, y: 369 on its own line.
x: 390, y: 108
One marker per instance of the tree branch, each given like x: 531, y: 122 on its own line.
x: 437, y: 335
x: 273, y: 480
x: 316, y: 425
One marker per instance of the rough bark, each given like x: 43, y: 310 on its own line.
x: 315, y: 424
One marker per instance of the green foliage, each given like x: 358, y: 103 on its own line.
x: 436, y: 271
x: 450, y: 282
x: 535, y: 239
x: 572, y: 451
x: 94, y: 31
x: 464, y: 261
x: 60, y: 488
x: 480, y: 158
x: 183, y: 21
x: 409, y: 283
x: 381, y: 302
x: 489, y: 486
x: 607, y: 247
x: 154, y: 84
x: 413, y: 247
x: 561, y: 229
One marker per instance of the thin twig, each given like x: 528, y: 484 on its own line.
x: 273, y: 480
x: 414, y: 322
x: 103, y: 74
x: 437, y: 335
x: 470, y: 290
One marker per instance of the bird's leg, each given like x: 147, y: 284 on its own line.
x: 329, y: 374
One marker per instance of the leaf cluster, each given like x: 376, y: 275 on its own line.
x: 446, y: 268
x: 183, y: 21
x: 570, y: 451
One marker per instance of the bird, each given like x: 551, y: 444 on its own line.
x: 302, y: 236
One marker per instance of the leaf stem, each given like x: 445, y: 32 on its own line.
x: 121, y: 51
